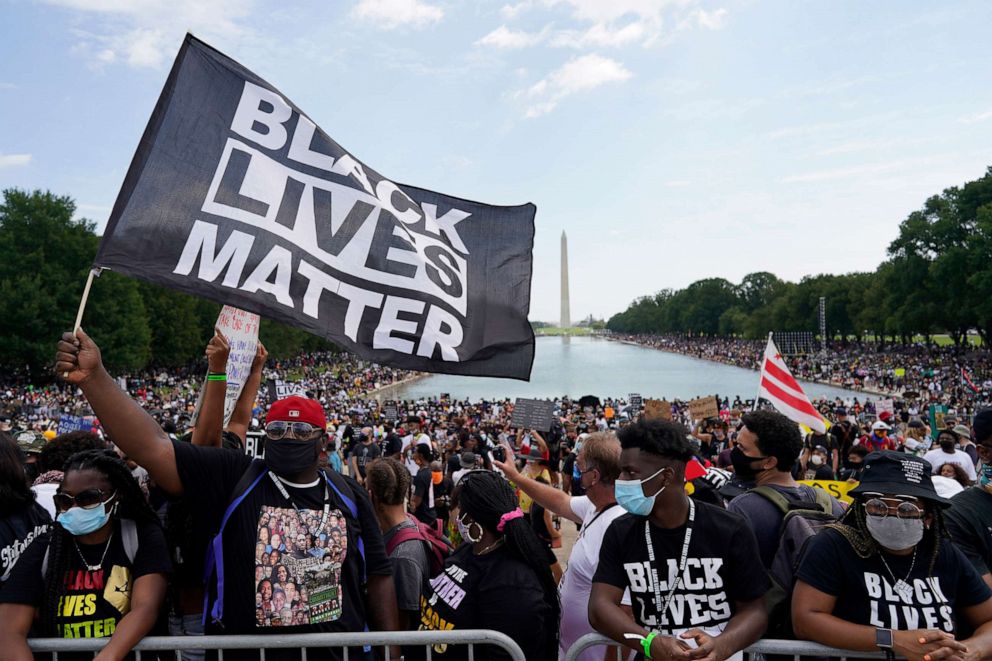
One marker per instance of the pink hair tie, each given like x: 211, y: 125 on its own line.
x: 509, y: 516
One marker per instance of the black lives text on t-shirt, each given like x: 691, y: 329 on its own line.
x: 719, y: 569
x: 865, y: 588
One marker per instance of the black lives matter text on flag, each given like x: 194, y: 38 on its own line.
x: 234, y: 194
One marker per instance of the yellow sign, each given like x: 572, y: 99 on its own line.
x: 835, y: 488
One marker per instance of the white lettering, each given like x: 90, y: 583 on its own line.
x: 201, y: 242
x: 358, y: 299
x: 385, y: 190
x: 278, y: 261
x: 446, y: 224
x: 433, y: 336
x: 390, y: 322
x: 319, y: 283
x: 250, y: 113
x: 299, y: 147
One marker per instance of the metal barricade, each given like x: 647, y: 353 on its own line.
x: 793, y: 648
x: 300, y: 641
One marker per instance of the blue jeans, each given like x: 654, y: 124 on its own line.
x: 187, y: 625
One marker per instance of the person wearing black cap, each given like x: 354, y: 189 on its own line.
x: 887, y: 577
x: 969, y: 518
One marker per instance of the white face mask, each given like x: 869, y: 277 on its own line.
x: 816, y: 460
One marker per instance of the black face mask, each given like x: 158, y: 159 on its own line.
x: 947, y: 446
x: 743, y: 464
x: 290, y: 457
x: 853, y: 465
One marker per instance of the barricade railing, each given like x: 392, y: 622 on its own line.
x: 793, y: 648
x: 300, y: 641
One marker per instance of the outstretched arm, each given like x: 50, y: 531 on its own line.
x: 210, y: 421
x: 133, y: 430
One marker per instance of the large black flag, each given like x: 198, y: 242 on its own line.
x: 235, y: 195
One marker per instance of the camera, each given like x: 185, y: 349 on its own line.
x: 499, y: 453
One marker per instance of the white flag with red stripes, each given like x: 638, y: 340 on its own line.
x: 780, y: 388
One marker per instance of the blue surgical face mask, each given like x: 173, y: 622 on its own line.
x: 630, y: 495
x: 78, y: 521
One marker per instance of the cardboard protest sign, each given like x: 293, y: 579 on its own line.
x: 704, y: 407
x: 937, y: 413
x: 659, y: 409
x: 241, y: 330
x: 533, y: 414
x: 234, y: 194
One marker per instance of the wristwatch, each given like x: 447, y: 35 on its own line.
x: 884, y: 641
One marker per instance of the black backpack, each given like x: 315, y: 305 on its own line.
x: 801, y: 521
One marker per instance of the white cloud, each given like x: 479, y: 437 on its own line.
x: 977, y: 117
x: 860, y: 170
x: 512, y: 11
x: 602, y: 34
x: 580, y: 74
x: 390, y: 14
x: 710, y: 20
x: 677, y: 183
x: 14, y: 160
x: 507, y: 39
x: 147, y: 33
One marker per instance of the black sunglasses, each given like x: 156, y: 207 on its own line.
x: 87, y: 499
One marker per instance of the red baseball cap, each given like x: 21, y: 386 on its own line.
x: 297, y: 409
x: 884, y: 416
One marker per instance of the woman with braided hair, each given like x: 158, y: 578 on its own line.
x: 103, y: 573
x: 888, y: 577
x: 499, y: 578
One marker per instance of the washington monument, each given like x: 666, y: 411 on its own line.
x: 566, y: 315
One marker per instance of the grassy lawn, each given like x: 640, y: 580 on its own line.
x: 553, y: 331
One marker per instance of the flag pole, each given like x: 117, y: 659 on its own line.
x: 82, y: 306
x: 760, y: 372
x: 82, y: 302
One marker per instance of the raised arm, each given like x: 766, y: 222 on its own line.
x: 241, y: 418
x: 133, y: 430
x: 210, y: 421
x: 548, y: 497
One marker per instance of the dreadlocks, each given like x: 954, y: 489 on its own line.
x: 487, y: 497
x: 854, y: 528
x: 131, y: 505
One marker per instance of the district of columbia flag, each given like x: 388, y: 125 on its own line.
x: 779, y: 387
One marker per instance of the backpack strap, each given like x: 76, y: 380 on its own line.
x: 215, y: 550
x: 777, y: 499
x: 340, y: 486
x: 404, y: 534
x: 824, y: 500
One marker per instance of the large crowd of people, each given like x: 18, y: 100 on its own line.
x: 327, y: 511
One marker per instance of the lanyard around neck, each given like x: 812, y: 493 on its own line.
x: 299, y: 514
x: 677, y: 580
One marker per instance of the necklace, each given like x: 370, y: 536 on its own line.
x: 492, y: 547
x: 901, y: 586
x: 98, y: 566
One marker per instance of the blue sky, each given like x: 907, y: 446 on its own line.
x: 672, y: 140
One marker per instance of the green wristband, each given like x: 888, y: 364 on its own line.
x: 646, y: 643
x: 216, y: 377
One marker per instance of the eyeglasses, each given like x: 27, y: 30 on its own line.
x: 87, y: 499
x: 882, y: 507
x: 280, y: 429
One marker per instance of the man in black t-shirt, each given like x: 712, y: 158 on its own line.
x: 689, y: 566
x: 364, y: 452
x: 422, y: 500
x: 292, y: 524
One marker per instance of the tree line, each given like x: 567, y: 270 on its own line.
x: 47, y: 254
x: 937, y: 278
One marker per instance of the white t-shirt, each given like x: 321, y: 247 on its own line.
x: 409, y: 441
x: 938, y: 458
x: 576, y: 583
